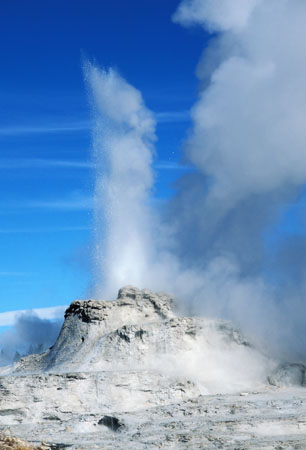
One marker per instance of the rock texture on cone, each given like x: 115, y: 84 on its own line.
x: 132, y: 374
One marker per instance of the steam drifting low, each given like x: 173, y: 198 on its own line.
x: 248, y: 148
x: 30, y: 334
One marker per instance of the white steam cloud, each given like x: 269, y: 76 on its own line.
x: 248, y: 143
x: 248, y: 148
x: 132, y: 245
x: 217, y: 15
x: 249, y: 123
x: 123, y: 150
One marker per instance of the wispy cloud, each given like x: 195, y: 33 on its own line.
x: 45, y: 128
x: 14, y: 274
x: 74, y: 201
x: 43, y: 163
x: 173, y: 116
x: 43, y: 230
x: 9, y: 318
x: 172, y: 165
x: 82, y: 125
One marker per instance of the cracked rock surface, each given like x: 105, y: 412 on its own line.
x: 131, y: 374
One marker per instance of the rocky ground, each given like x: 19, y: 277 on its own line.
x: 132, y: 374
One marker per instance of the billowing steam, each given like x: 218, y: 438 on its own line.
x: 30, y: 334
x: 248, y: 148
x: 249, y: 145
x: 123, y: 150
x: 131, y: 243
x: 249, y: 123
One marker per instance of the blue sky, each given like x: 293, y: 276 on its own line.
x: 46, y: 171
x: 45, y: 139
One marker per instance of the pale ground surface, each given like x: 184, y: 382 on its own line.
x: 152, y: 380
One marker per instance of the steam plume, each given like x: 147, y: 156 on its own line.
x: 222, y: 15
x: 132, y: 245
x: 247, y: 146
x: 123, y: 151
x: 248, y: 143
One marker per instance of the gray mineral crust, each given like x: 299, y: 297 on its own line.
x: 133, y: 374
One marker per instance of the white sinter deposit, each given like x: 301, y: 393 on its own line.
x: 133, y: 374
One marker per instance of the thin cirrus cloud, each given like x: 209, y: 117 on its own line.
x: 172, y: 165
x: 45, y: 128
x: 74, y: 202
x: 40, y: 230
x: 13, y: 274
x: 173, y: 116
x: 162, y: 117
x: 44, y: 163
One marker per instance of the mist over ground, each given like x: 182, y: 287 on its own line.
x: 212, y: 245
x: 30, y: 334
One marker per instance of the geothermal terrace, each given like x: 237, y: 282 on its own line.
x: 134, y: 374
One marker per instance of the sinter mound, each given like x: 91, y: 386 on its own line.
x: 121, y: 372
